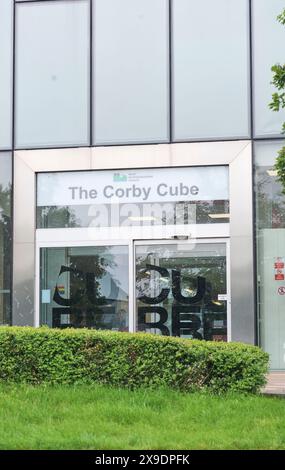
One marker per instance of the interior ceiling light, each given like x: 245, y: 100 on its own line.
x: 219, y: 216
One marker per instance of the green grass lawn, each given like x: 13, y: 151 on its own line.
x: 85, y: 417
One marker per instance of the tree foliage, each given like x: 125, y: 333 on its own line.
x: 277, y: 103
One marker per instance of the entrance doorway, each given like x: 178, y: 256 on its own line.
x: 169, y: 287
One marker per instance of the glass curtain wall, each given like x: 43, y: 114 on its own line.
x: 270, y: 230
x: 145, y: 53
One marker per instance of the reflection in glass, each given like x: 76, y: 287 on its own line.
x: 268, y: 49
x: 5, y: 237
x: 85, y: 287
x: 178, y: 289
x: 270, y: 230
x: 110, y: 215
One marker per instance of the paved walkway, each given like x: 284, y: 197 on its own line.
x: 275, y: 384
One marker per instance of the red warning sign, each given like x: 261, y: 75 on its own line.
x: 279, y: 269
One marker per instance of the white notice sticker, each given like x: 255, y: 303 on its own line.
x: 45, y: 296
x: 222, y: 297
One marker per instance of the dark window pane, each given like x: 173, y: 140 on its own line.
x: 5, y: 237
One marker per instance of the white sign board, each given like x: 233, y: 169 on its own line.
x: 222, y: 297
x: 133, y: 186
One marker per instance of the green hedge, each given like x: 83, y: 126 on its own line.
x: 71, y: 356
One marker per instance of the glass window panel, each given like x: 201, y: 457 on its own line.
x: 131, y: 71
x: 270, y: 225
x: 268, y: 44
x: 181, y: 290
x: 5, y: 237
x: 52, y: 74
x: 85, y: 287
x: 6, y: 48
x: 174, y: 197
x: 210, y: 69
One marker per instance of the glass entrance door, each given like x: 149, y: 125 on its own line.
x: 162, y: 287
x: 182, y: 289
x: 85, y: 286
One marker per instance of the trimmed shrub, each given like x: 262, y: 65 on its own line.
x: 131, y: 360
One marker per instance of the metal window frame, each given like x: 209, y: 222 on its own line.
x: 236, y: 154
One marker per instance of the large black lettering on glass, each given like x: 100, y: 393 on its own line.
x: 184, y: 319
x: 160, y: 324
x: 76, y: 297
x: 176, y: 289
x: 164, y: 292
x: 184, y: 312
x: 88, y: 287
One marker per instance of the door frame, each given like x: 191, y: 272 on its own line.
x: 131, y: 243
x: 236, y: 154
x: 71, y: 244
x: 214, y: 241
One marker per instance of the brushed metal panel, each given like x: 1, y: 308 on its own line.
x: 167, y: 155
x: 24, y: 202
x: 134, y: 156
x: 242, y: 290
x: 24, y: 243
x: 242, y: 255
x: 57, y: 159
x: 241, y: 196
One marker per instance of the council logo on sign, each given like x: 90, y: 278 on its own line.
x: 119, y: 177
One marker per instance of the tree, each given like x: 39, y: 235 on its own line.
x: 277, y: 103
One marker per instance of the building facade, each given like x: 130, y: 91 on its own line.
x: 137, y: 189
